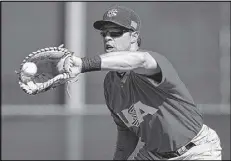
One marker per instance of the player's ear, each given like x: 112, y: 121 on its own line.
x: 134, y: 36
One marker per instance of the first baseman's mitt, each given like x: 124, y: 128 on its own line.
x: 51, y: 68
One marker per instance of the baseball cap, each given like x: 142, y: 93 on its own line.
x: 121, y: 16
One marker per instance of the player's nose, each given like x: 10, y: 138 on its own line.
x: 107, y: 37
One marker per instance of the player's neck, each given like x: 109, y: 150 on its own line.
x: 134, y: 47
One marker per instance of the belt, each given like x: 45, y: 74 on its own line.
x: 178, y: 152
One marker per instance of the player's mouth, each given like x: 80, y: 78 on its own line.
x: 109, y: 47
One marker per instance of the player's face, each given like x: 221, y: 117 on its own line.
x: 116, y: 38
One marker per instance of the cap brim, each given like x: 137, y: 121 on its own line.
x: 99, y: 24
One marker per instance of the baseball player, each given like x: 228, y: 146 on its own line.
x: 146, y: 97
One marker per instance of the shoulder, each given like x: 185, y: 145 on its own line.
x: 154, y: 58
x: 161, y: 60
x: 165, y: 69
x: 154, y: 54
x: 151, y: 64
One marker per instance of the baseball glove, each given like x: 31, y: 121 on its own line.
x: 46, y: 69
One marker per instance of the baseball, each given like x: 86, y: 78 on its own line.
x: 29, y: 69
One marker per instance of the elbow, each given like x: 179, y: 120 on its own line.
x: 141, y: 59
x: 144, y: 60
x: 148, y: 62
x: 135, y: 60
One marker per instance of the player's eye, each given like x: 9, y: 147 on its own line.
x: 113, y: 34
x: 116, y: 34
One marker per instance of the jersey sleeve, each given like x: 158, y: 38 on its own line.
x: 167, y: 78
x: 168, y: 75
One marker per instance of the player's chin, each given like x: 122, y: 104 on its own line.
x: 108, y: 50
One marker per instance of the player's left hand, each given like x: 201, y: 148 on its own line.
x: 74, y: 65
x: 54, y: 67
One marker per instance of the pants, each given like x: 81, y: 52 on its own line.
x: 207, y: 148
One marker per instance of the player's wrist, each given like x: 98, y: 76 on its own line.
x: 91, y: 64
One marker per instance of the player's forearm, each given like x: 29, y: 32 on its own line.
x: 122, y: 61
x: 126, y: 144
x: 117, y: 61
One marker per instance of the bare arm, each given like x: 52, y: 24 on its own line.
x: 139, y: 62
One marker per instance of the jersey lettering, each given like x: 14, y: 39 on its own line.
x: 135, y: 114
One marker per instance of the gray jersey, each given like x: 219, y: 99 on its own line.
x: 158, y: 109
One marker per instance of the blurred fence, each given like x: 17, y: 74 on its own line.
x: 53, y: 132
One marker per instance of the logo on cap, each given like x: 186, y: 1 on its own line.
x: 112, y: 12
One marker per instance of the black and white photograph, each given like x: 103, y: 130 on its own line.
x: 115, y: 80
